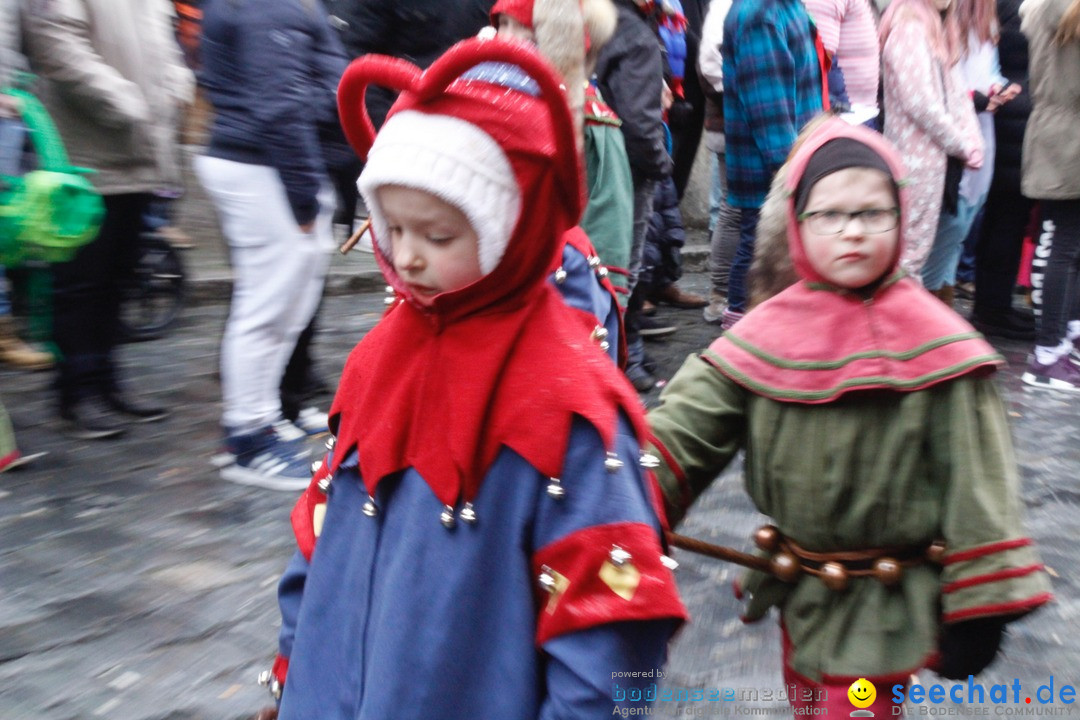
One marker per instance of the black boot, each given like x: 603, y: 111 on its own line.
x: 133, y: 411
x: 87, y: 420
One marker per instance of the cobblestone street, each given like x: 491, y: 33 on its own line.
x: 135, y: 584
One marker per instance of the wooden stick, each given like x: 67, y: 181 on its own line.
x: 355, y: 237
x: 718, y: 551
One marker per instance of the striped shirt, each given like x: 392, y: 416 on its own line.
x: 849, y: 34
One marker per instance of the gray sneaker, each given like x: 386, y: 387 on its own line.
x: 1059, y: 375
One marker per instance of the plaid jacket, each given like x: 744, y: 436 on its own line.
x: 772, y: 87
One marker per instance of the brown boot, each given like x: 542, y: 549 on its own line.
x: 677, y: 297
x: 16, y: 353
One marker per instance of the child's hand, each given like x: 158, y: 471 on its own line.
x: 999, y: 97
x: 9, y: 106
x: 1011, y: 91
x: 968, y: 647
x: 666, y: 98
x: 975, y: 159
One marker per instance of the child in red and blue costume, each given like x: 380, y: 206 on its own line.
x: 481, y: 541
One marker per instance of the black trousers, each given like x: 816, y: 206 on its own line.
x: 997, y: 253
x: 86, y: 301
x: 1060, y: 295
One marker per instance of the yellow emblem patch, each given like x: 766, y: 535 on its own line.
x: 623, y: 580
x: 318, y: 515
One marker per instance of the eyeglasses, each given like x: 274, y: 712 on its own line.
x: 834, y: 222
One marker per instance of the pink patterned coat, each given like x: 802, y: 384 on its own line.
x: 928, y: 116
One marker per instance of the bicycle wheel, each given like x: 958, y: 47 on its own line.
x: 153, y: 298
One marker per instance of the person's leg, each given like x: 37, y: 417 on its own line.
x: 79, y: 299
x: 744, y: 255
x: 722, y: 244
x: 921, y: 221
x: 295, y: 361
x: 716, y: 191
x: 997, y: 261
x: 128, y: 212
x: 940, y: 269
x: 965, y: 269
x: 644, y: 191
x: 344, y: 180
x: 269, y: 281
x: 724, y: 238
x: 641, y: 378
x: 13, y: 351
x: 1059, y: 242
x: 1050, y: 366
x: 86, y: 318
x: 5, y: 299
x: 270, y: 272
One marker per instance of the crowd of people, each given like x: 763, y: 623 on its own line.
x: 487, y: 533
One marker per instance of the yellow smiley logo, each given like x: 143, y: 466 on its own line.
x: 862, y: 693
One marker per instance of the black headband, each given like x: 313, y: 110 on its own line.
x: 835, y: 155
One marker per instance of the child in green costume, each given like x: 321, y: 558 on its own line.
x: 872, y: 432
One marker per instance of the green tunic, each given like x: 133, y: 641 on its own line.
x: 871, y: 469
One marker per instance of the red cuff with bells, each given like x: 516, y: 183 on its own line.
x: 603, y: 574
x: 303, y: 513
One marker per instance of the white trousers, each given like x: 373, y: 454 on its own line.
x: 278, y: 276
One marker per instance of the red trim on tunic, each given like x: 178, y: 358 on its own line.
x: 991, y: 577
x: 583, y: 599
x: 596, y: 111
x: 889, y: 679
x: 984, y: 550
x: 900, y: 676
x: 684, y: 486
x: 303, y: 513
x: 9, y: 458
x: 1007, y: 608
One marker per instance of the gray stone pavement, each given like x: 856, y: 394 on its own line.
x: 135, y: 584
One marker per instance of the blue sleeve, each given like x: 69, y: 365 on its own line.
x: 594, y: 494
x: 582, y: 290
x: 330, y: 63
x: 838, y: 97
x: 290, y: 593
x: 766, y: 74
x: 587, y: 672
x: 276, y: 54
